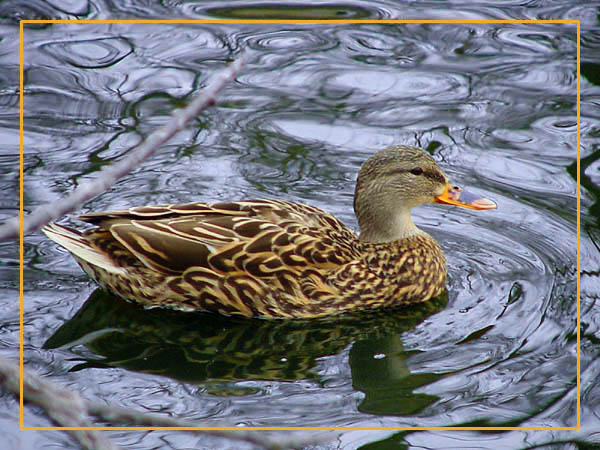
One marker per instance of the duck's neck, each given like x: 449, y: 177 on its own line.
x: 385, y: 226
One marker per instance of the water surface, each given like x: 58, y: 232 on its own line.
x: 494, y: 104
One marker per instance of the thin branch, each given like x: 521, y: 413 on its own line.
x: 264, y: 439
x: 65, y: 408
x: 69, y: 409
x: 109, y: 176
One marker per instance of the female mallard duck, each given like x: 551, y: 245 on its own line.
x: 270, y: 258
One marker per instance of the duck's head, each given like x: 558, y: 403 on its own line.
x: 393, y: 181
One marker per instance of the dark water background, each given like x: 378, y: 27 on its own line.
x: 494, y: 103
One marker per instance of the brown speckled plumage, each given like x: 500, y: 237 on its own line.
x: 270, y: 258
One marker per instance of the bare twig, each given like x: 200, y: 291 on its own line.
x: 64, y: 407
x: 68, y: 409
x: 84, y: 192
x: 264, y: 439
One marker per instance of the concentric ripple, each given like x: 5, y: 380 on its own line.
x: 89, y: 54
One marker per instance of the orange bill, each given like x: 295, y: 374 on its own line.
x: 455, y: 195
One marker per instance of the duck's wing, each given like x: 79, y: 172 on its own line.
x: 258, y: 237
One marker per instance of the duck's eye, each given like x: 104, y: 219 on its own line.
x: 417, y: 171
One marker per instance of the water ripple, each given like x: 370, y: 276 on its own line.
x: 89, y: 54
x: 284, y: 41
x: 426, y: 86
x: 289, y: 10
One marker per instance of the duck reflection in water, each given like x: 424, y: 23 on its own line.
x: 217, y: 352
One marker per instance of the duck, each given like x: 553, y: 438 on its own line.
x: 275, y: 259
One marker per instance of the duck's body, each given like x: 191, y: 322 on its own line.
x: 275, y: 259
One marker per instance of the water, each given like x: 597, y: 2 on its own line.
x: 494, y: 103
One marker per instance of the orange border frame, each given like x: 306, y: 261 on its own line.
x: 575, y: 22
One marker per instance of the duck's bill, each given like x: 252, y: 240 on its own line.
x: 454, y: 195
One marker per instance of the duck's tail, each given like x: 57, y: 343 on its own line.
x: 76, y: 243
